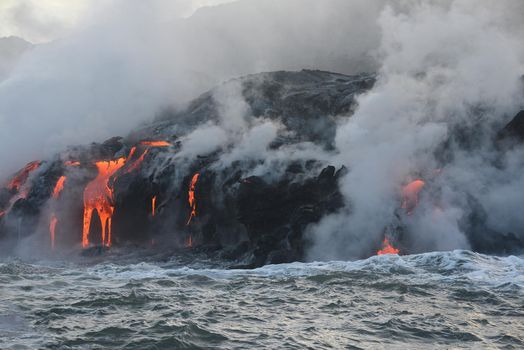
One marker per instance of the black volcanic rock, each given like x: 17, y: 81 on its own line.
x: 227, y: 210
x: 514, y: 129
x: 305, y: 102
x: 252, y: 220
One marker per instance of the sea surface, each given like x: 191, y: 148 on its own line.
x: 450, y: 300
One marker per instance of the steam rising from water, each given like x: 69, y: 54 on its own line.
x: 443, y: 67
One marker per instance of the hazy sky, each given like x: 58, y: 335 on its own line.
x: 44, y: 20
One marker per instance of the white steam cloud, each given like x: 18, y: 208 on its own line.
x: 129, y: 59
x: 444, y: 64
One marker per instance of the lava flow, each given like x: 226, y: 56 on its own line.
x: 387, y: 248
x: 410, y: 195
x: 191, y: 197
x: 156, y: 143
x: 98, y: 195
x: 153, y: 205
x: 52, y: 228
x: 19, y: 179
x: 59, y: 186
x: 136, y: 164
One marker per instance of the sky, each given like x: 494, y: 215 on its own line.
x: 40, y: 21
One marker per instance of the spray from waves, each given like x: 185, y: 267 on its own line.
x: 450, y: 76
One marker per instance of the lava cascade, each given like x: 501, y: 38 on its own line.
x: 156, y: 143
x: 98, y: 195
x: 153, y: 206
x: 21, y: 177
x: 410, y: 195
x: 52, y: 228
x: 387, y: 248
x: 191, y: 197
x: 59, y: 186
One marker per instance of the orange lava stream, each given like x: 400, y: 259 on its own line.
x: 21, y: 177
x: 156, y: 143
x: 98, y: 195
x: 410, y: 195
x: 153, y: 205
x: 59, y: 186
x: 387, y: 248
x: 136, y: 164
x: 191, y: 197
x: 52, y: 228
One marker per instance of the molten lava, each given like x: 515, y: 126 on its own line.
x: 71, y: 163
x: 410, y: 195
x: 136, y: 164
x: 191, y: 197
x: 52, y: 228
x: 98, y: 195
x: 21, y: 177
x: 156, y: 143
x: 59, y: 186
x: 387, y: 248
x: 153, y: 205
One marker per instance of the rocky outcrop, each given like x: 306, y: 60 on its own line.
x: 155, y: 199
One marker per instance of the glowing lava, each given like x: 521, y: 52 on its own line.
x: 21, y: 177
x: 410, y: 195
x: 52, y: 228
x: 191, y: 197
x: 136, y: 164
x: 71, y: 163
x: 59, y: 186
x: 156, y: 143
x: 153, y: 205
x: 98, y: 195
x: 387, y: 248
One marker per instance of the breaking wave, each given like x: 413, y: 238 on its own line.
x: 460, y: 299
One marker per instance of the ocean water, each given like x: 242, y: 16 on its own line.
x: 449, y: 300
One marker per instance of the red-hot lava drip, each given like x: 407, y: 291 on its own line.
x: 136, y: 164
x: 98, y: 195
x: 52, y: 228
x: 387, y: 248
x: 191, y: 197
x: 54, y: 221
x: 410, y: 195
x: 155, y: 143
x: 153, y: 206
x: 19, y: 179
x: 59, y: 186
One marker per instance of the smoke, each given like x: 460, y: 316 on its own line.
x: 127, y: 60
x: 445, y: 67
